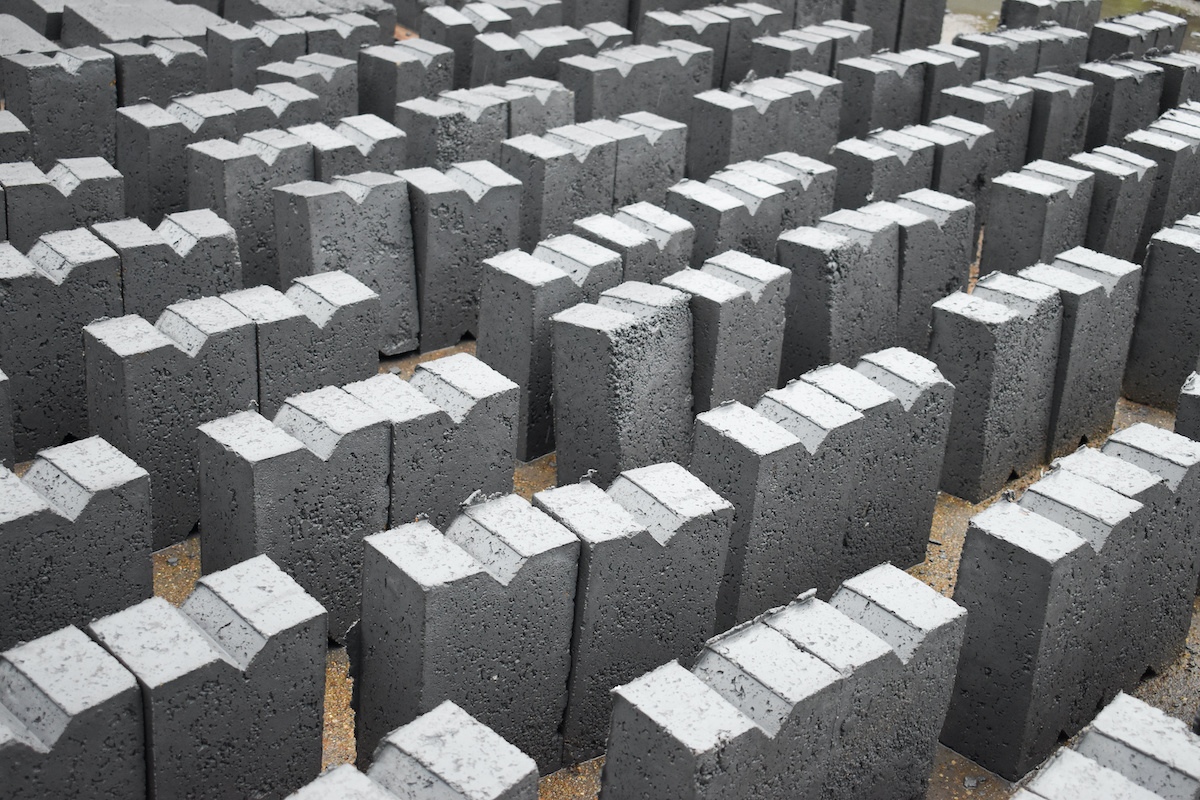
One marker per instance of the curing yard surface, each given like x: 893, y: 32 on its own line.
x: 1176, y: 691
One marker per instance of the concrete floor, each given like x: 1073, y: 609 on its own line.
x: 1176, y: 691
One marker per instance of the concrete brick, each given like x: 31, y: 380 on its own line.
x: 651, y: 153
x: 236, y: 181
x: 757, y: 459
x: 448, y: 749
x: 672, y: 733
x: 163, y: 69
x: 499, y: 57
x: 827, y: 308
x: 1121, y: 37
x: 458, y: 126
x: 1145, y: 746
x: 879, y: 241
x: 75, y: 193
x: 94, y: 744
x: 747, y: 22
x: 502, y: 577
x: 321, y: 333
x: 343, y: 780
x: 1062, y: 50
x: 1182, y: 125
x: 864, y: 169
x: 519, y: 294
x: 15, y: 141
x: 1126, y: 98
x: 1081, y: 15
x: 1123, y: 184
x: 964, y: 158
x: 935, y: 255
x: 764, y: 204
x: 1030, y: 220
x: 807, y: 184
x: 579, y: 12
x: 532, y: 14
x: 945, y: 66
x: 1005, y: 108
x: 360, y: 224
x: 724, y: 222
x: 363, y: 143
x: 624, y: 80
x: 84, y: 79
x: 1166, y: 340
x: 920, y: 24
x: 1061, y: 106
x: 623, y: 382
x: 850, y: 39
x: 239, y: 668
x: 1001, y: 418
x: 883, y: 16
x: 700, y: 733
x: 270, y: 488
x: 67, y: 280
x: 881, y: 168
x: 769, y: 286
x: 791, y: 51
x: 470, y: 212
x: 449, y: 27
x: 150, y: 155
x: 730, y: 127
x: 719, y: 312
x: 1181, y: 78
x: 1050, y: 565
x: 880, y: 93
x: 388, y: 75
x: 6, y: 426
x: 89, y: 22
x: 76, y: 539
x: 149, y: 386
x: 1151, y: 613
x: 925, y: 631
x: 642, y: 257
x: 1097, y: 325
x: 535, y: 105
x: 653, y: 522
x: 1173, y: 185
x: 673, y: 235
x: 338, y: 34
x: 894, y: 480
x: 1133, y: 36
x: 927, y: 399
x: 237, y: 52
x: 333, y: 80
x: 453, y: 435
x: 916, y: 154
x: 1067, y: 772
x: 19, y: 37
x: 795, y: 755
x: 1002, y: 58
x: 1123, y: 543
x: 566, y: 175
x: 607, y: 35
x: 1080, y: 184
x: 190, y: 255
